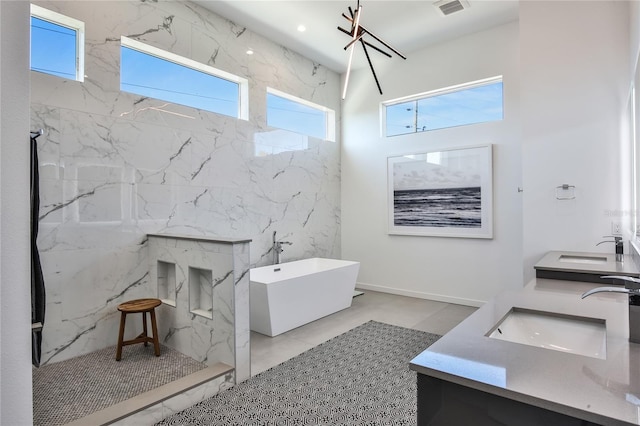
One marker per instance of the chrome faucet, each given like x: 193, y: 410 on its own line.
x: 277, y: 248
x: 632, y: 288
x: 619, y: 246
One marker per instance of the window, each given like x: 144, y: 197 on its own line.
x: 469, y: 103
x: 57, y: 44
x: 297, y: 115
x: 152, y: 72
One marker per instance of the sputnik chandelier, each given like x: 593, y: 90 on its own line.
x: 357, y: 33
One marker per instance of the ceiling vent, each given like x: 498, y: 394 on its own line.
x: 447, y: 7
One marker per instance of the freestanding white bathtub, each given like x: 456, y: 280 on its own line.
x: 288, y: 295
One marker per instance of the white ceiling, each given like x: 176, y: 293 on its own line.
x: 405, y: 25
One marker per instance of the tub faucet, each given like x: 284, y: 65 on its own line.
x: 277, y: 248
x: 619, y: 246
x: 632, y: 288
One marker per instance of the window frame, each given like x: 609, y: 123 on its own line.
x: 67, y: 22
x: 434, y: 93
x: 243, y: 83
x: 330, y: 115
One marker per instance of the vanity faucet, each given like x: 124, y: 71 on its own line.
x: 277, y: 248
x: 632, y: 288
x: 619, y: 246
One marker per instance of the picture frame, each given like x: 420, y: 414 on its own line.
x: 442, y: 193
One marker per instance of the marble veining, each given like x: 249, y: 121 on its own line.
x: 115, y: 167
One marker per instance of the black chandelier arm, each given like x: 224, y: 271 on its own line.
x: 350, y: 19
x: 362, y: 28
x: 357, y: 34
x: 388, y: 55
x: 373, y: 71
x: 345, y: 31
x: 385, y: 44
x: 359, y: 38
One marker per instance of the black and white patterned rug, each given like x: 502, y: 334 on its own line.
x: 361, y: 377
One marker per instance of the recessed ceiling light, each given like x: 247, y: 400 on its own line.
x: 302, y: 28
x: 249, y: 51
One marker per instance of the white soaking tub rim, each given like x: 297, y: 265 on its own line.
x: 272, y: 274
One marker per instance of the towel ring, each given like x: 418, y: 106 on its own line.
x: 561, y: 194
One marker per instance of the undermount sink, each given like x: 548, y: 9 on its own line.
x: 596, y: 260
x: 565, y: 333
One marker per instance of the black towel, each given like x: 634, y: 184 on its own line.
x: 38, y: 296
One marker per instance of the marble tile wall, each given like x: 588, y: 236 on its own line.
x: 115, y: 167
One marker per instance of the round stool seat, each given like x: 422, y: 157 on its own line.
x: 134, y: 307
x: 139, y: 305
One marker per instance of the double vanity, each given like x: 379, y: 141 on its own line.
x: 586, y: 267
x: 541, y: 355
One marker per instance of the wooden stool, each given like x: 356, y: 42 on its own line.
x: 133, y: 307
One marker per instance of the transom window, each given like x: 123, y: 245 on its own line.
x: 470, y: 103
x: 288, y: 112
x: 57, y: 44
x: 148, y: 71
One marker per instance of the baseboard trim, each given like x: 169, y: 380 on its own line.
x: 420, y: 295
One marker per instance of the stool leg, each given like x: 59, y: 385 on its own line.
x: 123, y: 318
x: 154, y: 328
x: 144, y: 326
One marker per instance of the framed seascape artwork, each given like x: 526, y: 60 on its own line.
x: 446, y: 193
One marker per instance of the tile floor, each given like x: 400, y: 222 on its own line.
x: 420, y: 314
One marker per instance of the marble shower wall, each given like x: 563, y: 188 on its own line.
x: 116, y: 166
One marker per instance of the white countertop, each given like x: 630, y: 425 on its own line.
x: 604, y: 391
x: 551, y: 262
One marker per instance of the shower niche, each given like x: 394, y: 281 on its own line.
x: 201, y: 292
x: 167, y: 282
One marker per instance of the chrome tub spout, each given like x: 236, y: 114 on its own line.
x: 277, y: 248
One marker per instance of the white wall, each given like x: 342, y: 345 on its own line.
x: 634, y: 34
x: 462, y: 270
x: 15, y: 288
x: 574, y: 89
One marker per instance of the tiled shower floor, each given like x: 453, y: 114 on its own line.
x: 74, y: 388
